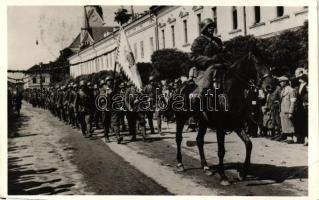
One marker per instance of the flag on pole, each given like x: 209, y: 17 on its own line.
x: 125, y: 60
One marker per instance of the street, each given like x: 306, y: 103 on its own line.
x: 45, y: 156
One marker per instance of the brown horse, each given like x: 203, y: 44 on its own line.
x: 237, y: 78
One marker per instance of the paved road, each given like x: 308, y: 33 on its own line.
x: 48, y: 157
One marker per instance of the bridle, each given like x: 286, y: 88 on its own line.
x: 241, y: 77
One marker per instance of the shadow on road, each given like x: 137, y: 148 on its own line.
x: 15, y: 123
x: 277, y: 174
x: 22, y: 180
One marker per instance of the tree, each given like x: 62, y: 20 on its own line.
x: 170, y: 64
x: 121, y: 16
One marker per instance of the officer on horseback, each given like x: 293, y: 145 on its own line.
x: 205, y: 56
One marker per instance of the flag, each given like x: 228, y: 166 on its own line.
x: 125, y: 60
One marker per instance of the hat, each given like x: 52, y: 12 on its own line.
x: 95, y: 86
x: 283, y: 78
x: 301, y: 72
x: 75, y: 85
x: 88, y: 83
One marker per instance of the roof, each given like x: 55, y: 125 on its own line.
x: 76, y: 42
x: 97, y: 34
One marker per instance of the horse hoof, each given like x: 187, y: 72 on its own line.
x: 207, y: 171
x: 180, y: 167
x: 224, y: 182
x: 241, y: 176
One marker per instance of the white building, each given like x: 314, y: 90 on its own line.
x: 177, y: 27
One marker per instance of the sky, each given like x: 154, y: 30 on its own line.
x: 54, y: 27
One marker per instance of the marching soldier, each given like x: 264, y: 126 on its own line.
x: 83, y: 107
x: 151, y: 89
x: 115, y: 108
x: 97, y: 113
x: 134, y: 113
x: 104, y: 105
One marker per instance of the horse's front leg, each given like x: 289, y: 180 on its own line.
x: 200, y: 144
x: 221, y: 153
x: 248, y: 145
x: 180, y: 121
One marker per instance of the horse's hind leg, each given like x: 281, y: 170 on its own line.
x: 248, y: 145
x: 200, y: 144
x: 180, y: 121
x: 221, y: 153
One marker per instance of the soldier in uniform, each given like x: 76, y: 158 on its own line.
x: 72, y: 97
x: 65, y: 100
x: 115, y: 108
x: 205, y: 56
x: 83, y: 107
x: 150, y: 89
x: 97, y: 113
x: 104, y: 105
x: 134, y: 112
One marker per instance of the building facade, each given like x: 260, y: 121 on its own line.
x: 177, y: 27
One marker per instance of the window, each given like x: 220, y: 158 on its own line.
x: 107, y: 61
x: 257, y: 14
x: 142, y: 49
x: 135, y: 50
x: 152, y: 44
x: 235, y: 18
x: 199, y: 19
x: 215, y: 17
x: 173, y: 36
x: 111, y: 60
x: 34, y: 80
x: 280, y: 11
x: 163, y: 38
x: 185, y: 31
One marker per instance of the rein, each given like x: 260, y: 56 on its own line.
x: 242, y: 78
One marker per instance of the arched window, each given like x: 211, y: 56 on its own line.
x: 235, y: 17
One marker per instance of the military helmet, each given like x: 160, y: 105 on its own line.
x: 108, y: 78
x: 75, y: 85
x: 151, y: 78
x: 89, y: 83
x: 205, y: 23
x: 122, y: 85
x: 95, y: 86
x: 102, y: 82
x: 82, y: 83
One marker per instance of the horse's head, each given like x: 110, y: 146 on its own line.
x: 259, y: 72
